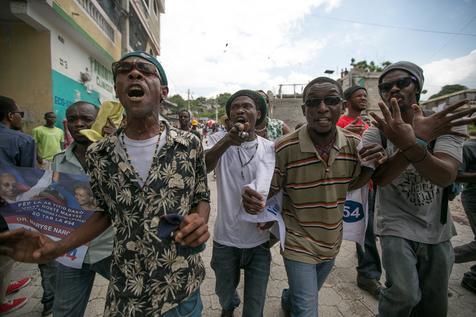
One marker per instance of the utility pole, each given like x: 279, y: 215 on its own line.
x: 188, y: 99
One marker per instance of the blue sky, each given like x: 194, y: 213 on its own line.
x: 213, y: 46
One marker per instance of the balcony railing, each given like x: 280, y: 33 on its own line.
x: 96, y: 14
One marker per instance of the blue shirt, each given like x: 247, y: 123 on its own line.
x: 16, y: 148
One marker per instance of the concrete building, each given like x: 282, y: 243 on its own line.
x: 287, y: 103
x: 368, y: 80
x: 287, y: 108
x: 55, y: 52
x: 438, y: 104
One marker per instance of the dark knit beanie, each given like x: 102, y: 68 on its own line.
x: 257, y: 98
x: 149, y: 58
x: 350, y: 91
x: 410, y: 68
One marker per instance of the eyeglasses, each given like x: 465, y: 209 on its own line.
x: 329, y: 101
x: 21, y: 113
x: 400, y: 83
x: 125, y: 67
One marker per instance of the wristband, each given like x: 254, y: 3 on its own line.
x: 422, y: 142
x: 419, y: 142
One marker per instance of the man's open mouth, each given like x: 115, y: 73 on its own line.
x: 241, y: 120
x: 135, y: 91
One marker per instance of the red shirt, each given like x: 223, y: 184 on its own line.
x: 346, y: 120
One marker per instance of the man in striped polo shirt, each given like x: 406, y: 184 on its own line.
x: 315, y: 167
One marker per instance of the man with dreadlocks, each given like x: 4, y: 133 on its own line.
x: 237, y: 244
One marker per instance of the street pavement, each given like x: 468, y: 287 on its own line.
x: 339, y: 296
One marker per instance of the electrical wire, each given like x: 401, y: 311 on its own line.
x: 452, y: 38
x: 388, y: 26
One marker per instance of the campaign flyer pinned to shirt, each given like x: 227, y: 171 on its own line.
x: 52, y: 203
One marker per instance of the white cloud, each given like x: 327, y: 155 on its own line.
x: 213, y: 46
x: 461, y: 70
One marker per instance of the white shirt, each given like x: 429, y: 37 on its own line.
x: 229, y: 229
x: 141, y: 153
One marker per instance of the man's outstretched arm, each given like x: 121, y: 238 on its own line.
x: 33, y: 247
x: 212, y: 156
x: 439, y: 168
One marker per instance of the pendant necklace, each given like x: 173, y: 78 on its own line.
x: 248, y: 162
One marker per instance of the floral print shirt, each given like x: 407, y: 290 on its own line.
x: 149, y: 276
x: 274, y: 128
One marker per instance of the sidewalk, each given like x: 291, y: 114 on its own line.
x: 340, y: 295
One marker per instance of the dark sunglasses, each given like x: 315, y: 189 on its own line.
x: 329, y: 101
x: 126, y: 67
x: 400, y: 83
x: 21, y: 113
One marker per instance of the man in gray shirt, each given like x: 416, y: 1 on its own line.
x: 411, y: 207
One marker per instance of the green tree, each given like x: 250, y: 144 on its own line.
x: 211, y: 114
x: 448, y: 89
x: 201, y: 100
x: 178, y: 100
x: 369, y: 66
x: 223, y: 98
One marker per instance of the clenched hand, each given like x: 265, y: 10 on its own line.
x: 193, y: 231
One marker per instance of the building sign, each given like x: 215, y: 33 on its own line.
x: 103, y: 76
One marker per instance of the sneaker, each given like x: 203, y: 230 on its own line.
x: 12, y: 305
x: 372, y: 286
x: 16, y: 286
x: 465, y: 253
x: 467, y: 285
x: 286, y: 311
x: 47, y: 309
x: 227, y: 313
x: 285, y: 299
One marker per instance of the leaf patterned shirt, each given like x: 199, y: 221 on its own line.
x: 274, y: 128
x: 149, y: 276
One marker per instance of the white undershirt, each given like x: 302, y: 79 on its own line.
x: 141, y: 153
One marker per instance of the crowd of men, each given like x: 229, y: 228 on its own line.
x: 152, y: 201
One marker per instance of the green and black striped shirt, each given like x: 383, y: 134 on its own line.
x: 314, y: 193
